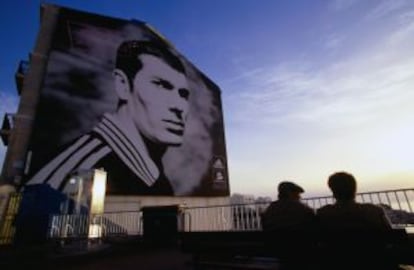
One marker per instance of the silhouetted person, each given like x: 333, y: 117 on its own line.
x: 353, y: 234
x: 346, y: 213
x: 288, y: 212
x: 289, y: 223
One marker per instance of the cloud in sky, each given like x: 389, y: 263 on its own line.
x: 405, y: 31
x: 334, y: 41
x: 386, y: 7
x: 349, y: 91
x: 343, y: 4
x: 351, y: 110
x: 8, y: 102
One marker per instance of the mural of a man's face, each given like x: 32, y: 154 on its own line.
x: 159, y: 101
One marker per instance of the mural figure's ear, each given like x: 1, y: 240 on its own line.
x: 122, y: 86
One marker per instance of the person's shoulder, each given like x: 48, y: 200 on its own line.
x: 305, y: 206
x: 325, y: 209
x: 271, y: 205
x: 275, y: 202
x: 371, y: 207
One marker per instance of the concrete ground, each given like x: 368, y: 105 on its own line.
x: 132, y: 254
x: 114, y: 256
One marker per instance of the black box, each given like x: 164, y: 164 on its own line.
x: 161, y: 223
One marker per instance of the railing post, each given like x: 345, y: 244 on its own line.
x: 408, y: 201
x: 398, y: 200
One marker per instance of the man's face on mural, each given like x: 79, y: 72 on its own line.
x: 159, y: 101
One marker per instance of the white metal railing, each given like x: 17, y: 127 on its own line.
x: 109, y: 224
x: 398, y: 205
x: 399, y: 199
x: 240, y: 217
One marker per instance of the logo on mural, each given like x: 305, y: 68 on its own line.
x: 219, y: 175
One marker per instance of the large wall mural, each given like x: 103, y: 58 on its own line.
x: 118, y: 96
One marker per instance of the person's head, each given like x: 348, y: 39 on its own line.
x: 289, y: 190
x: 343, y: 186
x: 152, y: 86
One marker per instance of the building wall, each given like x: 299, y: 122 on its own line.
x: 15, y: 159
x: 199, y: 213
x: 65, y: 48
x: 84, y: 118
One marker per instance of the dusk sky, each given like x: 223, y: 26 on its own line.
x: 308, y: 87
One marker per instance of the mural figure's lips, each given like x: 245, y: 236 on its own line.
x: 179, y: 132
x: 175, y: 127
x: 178, y: 124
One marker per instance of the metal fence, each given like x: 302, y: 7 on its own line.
x: 398, y: 205
x: 7, y: 228
x: 399, y: 199
x: 103, y: 225
x: 238, y: 217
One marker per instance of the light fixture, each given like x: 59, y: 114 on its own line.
x: 96, y: 209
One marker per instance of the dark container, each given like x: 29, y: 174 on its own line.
x: 161, y: 224
x: 38, y: 204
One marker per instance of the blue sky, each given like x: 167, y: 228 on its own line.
x: 308, y: 87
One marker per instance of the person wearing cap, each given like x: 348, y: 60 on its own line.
x: 288, y: 212
x: 289, y: 225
